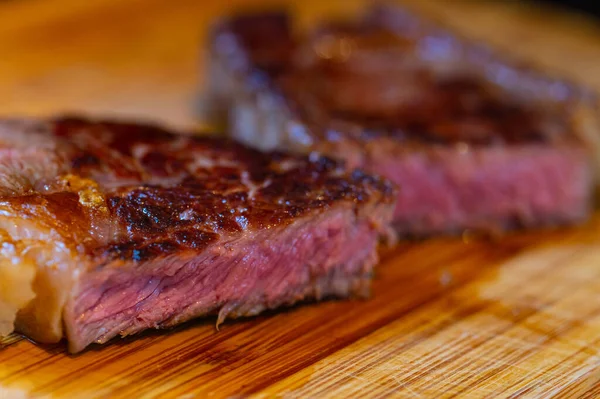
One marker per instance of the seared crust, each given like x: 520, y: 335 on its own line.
x: 133, y: 192
x: 394, y: 76
x: 475, y: 141
x: 103, y: 204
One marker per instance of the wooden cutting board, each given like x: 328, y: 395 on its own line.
x: 515, y: 317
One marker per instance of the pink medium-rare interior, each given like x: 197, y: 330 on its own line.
x: 331, y: 255
x: 450, y: 189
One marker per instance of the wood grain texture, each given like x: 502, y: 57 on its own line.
x: 516, y: 317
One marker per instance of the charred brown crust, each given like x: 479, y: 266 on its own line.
x: 142, y: 191
x: 383, y: 75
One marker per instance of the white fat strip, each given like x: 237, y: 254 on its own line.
x: 16, y: 285
x: 140, y: 150
x: 287, y: 165
x: 112, y: 183
x: 252, y: 187
x: 201, y: 162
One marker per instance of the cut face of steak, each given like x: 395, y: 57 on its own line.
x: 112, y: 228
x: 473, y: 141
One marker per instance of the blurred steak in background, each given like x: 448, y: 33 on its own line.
x: 473, y: 140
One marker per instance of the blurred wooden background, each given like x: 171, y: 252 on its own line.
x: 109, y: 56
x: 591, y: 8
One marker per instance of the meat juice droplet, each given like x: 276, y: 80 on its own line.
x: 242, y: 221
x: 188, y: 214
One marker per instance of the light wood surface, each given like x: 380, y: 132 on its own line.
x: 516, y: 317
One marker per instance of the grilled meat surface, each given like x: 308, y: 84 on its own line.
x: 475, y: 141
x: 112, y: 228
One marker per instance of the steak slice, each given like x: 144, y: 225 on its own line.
x: 111, y: 228
x: 474, y: 141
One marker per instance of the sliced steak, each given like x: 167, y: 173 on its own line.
x: 113, y: 228
x: 474, y: 141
